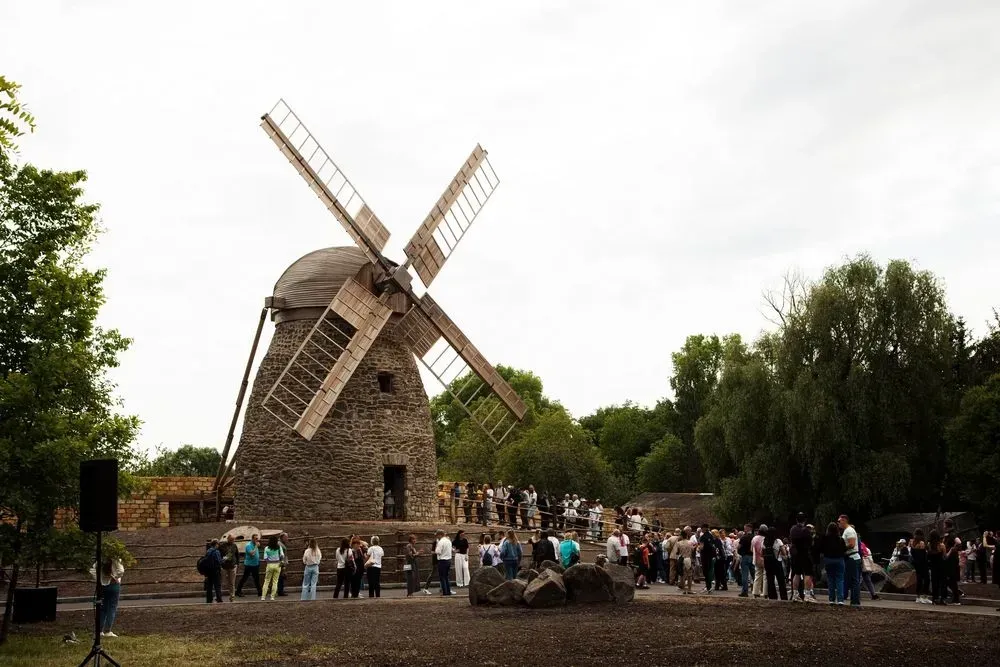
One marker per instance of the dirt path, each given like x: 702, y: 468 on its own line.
x: 427, y: 630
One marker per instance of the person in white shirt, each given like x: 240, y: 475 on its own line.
x: 623, y: 544
x: 489, y: 554
x: 443, y: 551
x: 612, y: 546
x: 373, y: 568
x: 532, y: 506
x: 599, y: 510
x: 555, y: 544
x: 311, y: 558
x: 487, y: 504
x: 111, y: 574
x: 595, y: 522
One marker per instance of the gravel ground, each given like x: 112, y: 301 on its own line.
x: 693, y: 631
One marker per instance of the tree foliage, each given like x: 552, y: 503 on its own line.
x: 974, y: 447
x: 185, y: 461
x: 844, y: 409
x: 15, y: 119
x: 57, y: 406
x: 556, y: 455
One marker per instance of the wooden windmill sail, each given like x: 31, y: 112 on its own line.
x: 314, y: 377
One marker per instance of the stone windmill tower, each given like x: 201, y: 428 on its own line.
x: 338, y: 414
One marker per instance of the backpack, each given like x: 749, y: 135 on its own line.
x: 349, y: 565
x: 204, y: 567
x: 487, y: 559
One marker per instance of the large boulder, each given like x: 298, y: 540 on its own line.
x: 501, y: 569
x: 900, y: 577
x: 588, y: 583
x: 482, y: 582
x: 551, y: 565
x: 547, y: 590
x: 509, y: 593
x: 623, y: 580
x: 527, y: 575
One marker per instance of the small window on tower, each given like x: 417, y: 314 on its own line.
x: 385, y: 384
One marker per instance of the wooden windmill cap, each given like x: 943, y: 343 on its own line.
x: 309, y: 284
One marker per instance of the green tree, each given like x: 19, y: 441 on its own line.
x: 974, y: 448
x: 628, y: 432
x: 14, y: 116
x: 555, y: 455
x: 843, y: 409
x: 56, y: 404
x: 449, y: 416
x: 186, y: 461
x: 696, y: 370
x: 662, y: 469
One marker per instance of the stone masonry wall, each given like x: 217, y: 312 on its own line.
x: 147, y: 508
x: 338, y: 475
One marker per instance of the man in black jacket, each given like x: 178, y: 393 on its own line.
x: 707, y: 548
x: 212, y: 570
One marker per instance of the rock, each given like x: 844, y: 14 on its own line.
x: 547, y: 590
x: 900, y: 577
x: 508, y: 593
x: 623, y: 580
x: 527, y: 575
x: 501, y: 569
x: 550, y: 565
x: 588, y: 583
x: 482, y: 582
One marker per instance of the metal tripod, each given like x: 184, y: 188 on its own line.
x: 97, y: 651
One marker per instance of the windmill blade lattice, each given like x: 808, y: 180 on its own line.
x: 448, y: 355
x: 326, y: 179
x: 319, y: 370
x: 452, y: 215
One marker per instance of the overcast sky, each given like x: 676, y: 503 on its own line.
x: 661, y: 165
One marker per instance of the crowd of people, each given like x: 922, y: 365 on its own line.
x: 521, y: 508
x: 762, y: 564
x: 757, y: 560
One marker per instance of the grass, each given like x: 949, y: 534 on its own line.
x: 155, y: 650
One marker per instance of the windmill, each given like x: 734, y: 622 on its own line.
x: 318, y: 371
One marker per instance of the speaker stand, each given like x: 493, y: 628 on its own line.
x: 97, y: 651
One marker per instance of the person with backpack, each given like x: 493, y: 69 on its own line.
x: 210, y: 567
x: 511, y: 554
x: 489, y: 555
x: 569, y: 550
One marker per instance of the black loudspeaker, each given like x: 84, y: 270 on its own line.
x: 99, y: 495
x: 34, y: 604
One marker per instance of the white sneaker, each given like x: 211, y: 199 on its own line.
x: 427, y: 592
x: 810, y: 598
x: 110, y: 635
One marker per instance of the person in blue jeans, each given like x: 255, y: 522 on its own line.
x: 745, y: 551
x: 852, y: 561
x: 111, y: 588
x: 510, y: 554
x: 832, y: 548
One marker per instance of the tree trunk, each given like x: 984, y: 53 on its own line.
x: 8, y: 609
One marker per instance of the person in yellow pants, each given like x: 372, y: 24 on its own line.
x: 272, y: 556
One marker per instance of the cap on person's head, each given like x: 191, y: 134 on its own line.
x: 800, y: 517
x: 763, y: 526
